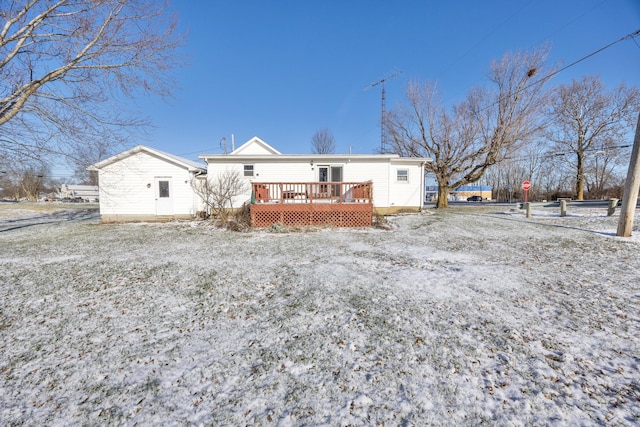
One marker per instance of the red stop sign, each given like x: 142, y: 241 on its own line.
x: 526, y: 185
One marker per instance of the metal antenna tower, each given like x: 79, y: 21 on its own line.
x: 383, y: 115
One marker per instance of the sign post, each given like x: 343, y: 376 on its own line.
x: 526, y: 185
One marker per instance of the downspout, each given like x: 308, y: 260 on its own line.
x: 387, y: 202
x: 195, y: 200
x: 423, y: 188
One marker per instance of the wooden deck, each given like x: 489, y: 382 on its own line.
x: 340, y: 204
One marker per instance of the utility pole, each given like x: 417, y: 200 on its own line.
x: 631, y: 188
x: 383, y: 115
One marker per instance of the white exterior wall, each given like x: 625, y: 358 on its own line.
x: 376, y: 172
x: 124, y: 190
x: 386, y: 191
x: 406, y: 193
x: 264, y: 171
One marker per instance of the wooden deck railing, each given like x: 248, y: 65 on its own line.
x: 312, y: 192
x: 340, y: 204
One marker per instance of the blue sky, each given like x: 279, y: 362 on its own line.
x: 281, y: 70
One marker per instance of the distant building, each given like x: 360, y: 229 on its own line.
x: 87, y: 193
x: 460, y: 193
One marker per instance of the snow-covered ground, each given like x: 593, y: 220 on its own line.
x: 457, y: 317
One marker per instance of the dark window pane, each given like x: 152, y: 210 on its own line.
x: 163, y: 187
x: 323, y: 174
x: 336, y: 173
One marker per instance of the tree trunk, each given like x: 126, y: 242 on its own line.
x: 443, y: 196
x: 580, y: 177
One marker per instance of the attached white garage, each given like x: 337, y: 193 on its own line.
x: 144, y: 184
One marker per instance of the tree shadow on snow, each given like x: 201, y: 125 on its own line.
x: 53, y: 218
x: 505, y: 217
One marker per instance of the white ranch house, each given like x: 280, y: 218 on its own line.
x: 398, y: 183
x: 146, y: 184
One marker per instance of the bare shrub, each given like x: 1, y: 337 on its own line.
x: 218, y: 193
x: 380, y: 221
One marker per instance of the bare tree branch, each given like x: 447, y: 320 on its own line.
x: 470, y: 137
x: 66, y: 64
x: 585, y: 114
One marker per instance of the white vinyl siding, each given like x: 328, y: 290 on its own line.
x: 409, y: 192
x: 270, y: 170
x: 382, y: 171
x: 127, y: 187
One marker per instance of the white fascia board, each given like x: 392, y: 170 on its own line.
x: 269, y: 150
x: 318, y: 158
x: 413, y: 160
x: 190, y: 165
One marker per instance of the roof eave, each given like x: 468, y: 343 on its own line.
x: 142, y: 148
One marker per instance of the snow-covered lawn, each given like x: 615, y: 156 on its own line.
x: 459, y: 317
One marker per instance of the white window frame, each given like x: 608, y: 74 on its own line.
x: 402, y: 175
x: 246, y: 168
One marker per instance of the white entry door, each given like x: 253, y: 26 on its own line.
x: 164, y: 197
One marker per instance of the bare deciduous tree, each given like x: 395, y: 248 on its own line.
x: 218, y: 193
x: 65, y: 65
x: 29, y: 180
x: 602, y: 169
x: 32, y: 182
x: 470, y: 137
x: 323, y: 142
x: 584, y: 114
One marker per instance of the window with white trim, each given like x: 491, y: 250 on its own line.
x: 248, y: 170
x: 402, y: 175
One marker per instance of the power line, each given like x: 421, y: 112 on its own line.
x: 557, y: 30
x: 482, y: 40
x: 568, y: 152
x: 198, y: 152
x: 576, y: 19
x: 553, y: 73
x: 629, y: 36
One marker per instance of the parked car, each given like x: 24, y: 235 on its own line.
x: 474, y: 199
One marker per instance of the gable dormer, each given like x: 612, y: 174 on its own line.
x: 255, y: 146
